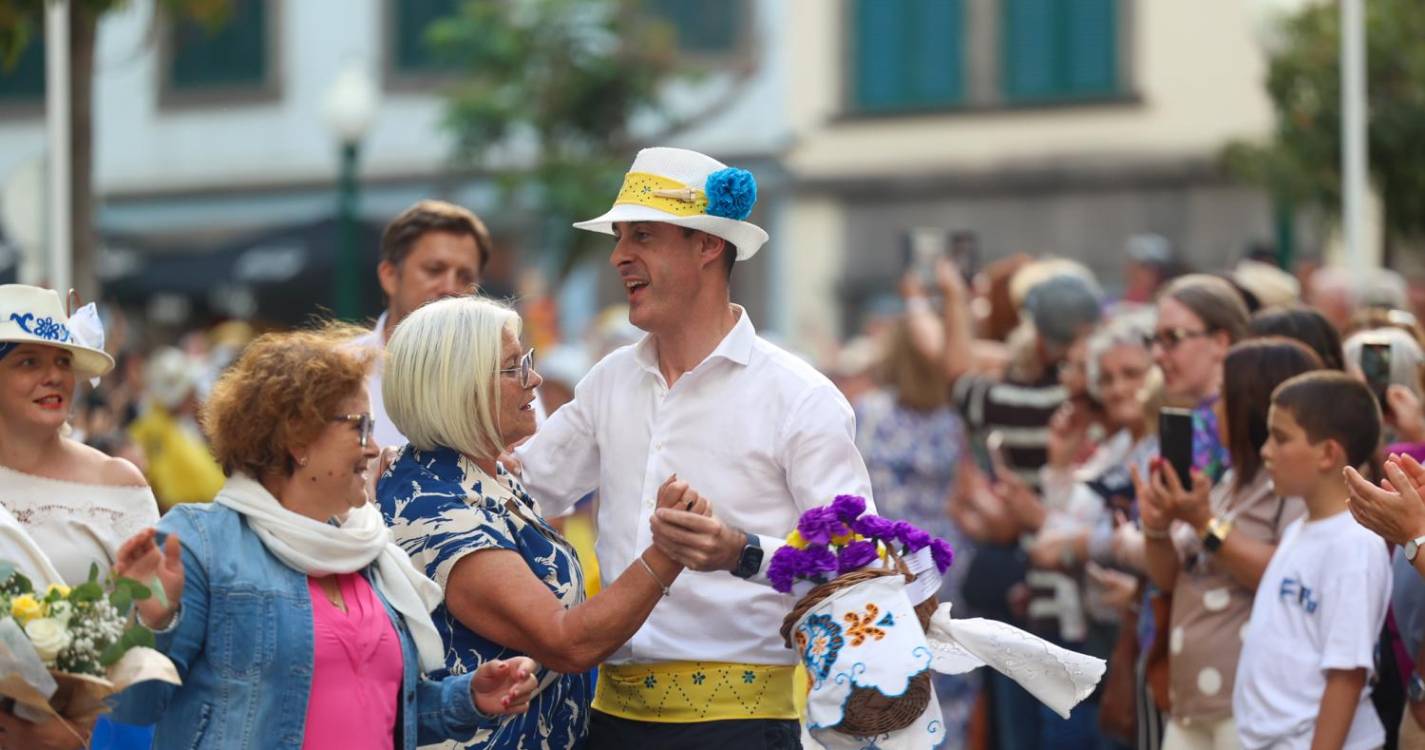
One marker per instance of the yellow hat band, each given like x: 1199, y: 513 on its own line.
x: 663, y: 193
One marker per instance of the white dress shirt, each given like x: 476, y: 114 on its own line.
x: 757, y: 431
x: 386, y: 432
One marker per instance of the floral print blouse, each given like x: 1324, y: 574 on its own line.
x: 440, y: 507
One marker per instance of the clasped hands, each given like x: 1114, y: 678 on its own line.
x: 685, y: 530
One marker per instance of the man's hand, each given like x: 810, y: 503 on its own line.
x: 504, y: 686
x: 1394, y: 510
x: 696, y: 541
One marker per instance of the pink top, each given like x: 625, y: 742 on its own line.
x: 356, y: 675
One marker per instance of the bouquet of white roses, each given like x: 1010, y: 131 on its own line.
x: 63, y: 650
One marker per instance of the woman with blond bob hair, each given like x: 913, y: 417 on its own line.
x: 292, y: 619
x: 459, y: 386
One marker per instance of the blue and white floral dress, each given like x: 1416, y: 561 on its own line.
x: 440, y: 507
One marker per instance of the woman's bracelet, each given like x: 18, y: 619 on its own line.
x: 1156, y: 534
x: 653, y: 575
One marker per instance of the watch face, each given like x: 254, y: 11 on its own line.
x: 1411, y: 548
x: 750, y: 562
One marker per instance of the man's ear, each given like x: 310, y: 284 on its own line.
x: 710, y: 249
x: 389, y: 274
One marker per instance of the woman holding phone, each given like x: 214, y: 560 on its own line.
x: 1209, y: 545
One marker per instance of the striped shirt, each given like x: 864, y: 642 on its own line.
x: 1019, y: 412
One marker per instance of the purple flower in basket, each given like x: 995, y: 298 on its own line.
x: 848, y: 507
x: 818, y: 564
x: 941, y: 553
x: 913, y: 538
x: 819, y: 525
x: 855, y: 556
x: 783, y: 569
x: 874, y: 527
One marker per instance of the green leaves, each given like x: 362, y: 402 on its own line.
x: 126, y: 592
x: 1301, y: 163
x: 563, y: 79
x: 134, y: 637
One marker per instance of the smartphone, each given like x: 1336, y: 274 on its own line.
x: 1375, y: 365
x: 1175, y: 441
x: 965, y: 251
x: 923, y: 246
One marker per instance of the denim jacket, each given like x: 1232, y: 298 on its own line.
x: 243, y: 645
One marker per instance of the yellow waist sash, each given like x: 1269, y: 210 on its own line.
x: 683, y: 692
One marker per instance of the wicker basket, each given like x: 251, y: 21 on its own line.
x: 868, y: 711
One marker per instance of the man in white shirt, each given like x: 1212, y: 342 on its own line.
x: 431, y: 251
x: 753, y: 428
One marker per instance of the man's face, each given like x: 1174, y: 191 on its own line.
x: 440, y: 264
x: 660, y: 269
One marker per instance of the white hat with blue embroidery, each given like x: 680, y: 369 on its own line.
x: 687, y: 189
x: 32, y: 315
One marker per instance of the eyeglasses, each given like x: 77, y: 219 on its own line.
x: 365, y: 425
x: 1171, y: 337
x: 525, y: 369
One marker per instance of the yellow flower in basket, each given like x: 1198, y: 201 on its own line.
x: 61, y: 588
x: 25, y: 608
x: 795, y: 539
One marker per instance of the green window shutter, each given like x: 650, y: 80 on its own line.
x: 703, y: 26
x: 937, y: 73
x: 908, y: 54
x: 1055, y: 50
x: 1030, y: 49
x: 1092, y: 47
x: 413, y: 17
x: 880, y: 62
x: 232, y: 55
x: 26, y: 81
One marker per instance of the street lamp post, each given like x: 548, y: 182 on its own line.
x: 350, y: 108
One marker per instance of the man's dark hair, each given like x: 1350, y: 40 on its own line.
x: 1252, y: 371
x: 433, y: 216
x: 1334, y: 406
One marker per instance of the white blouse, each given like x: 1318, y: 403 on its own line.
x: 76, y: 524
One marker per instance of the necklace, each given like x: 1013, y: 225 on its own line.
x: 332, y: 596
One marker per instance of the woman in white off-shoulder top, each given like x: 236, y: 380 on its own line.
x: 73, y: 505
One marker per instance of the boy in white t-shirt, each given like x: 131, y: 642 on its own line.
x: 1309, y: 649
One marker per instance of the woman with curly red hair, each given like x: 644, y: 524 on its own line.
x: 292, y: 619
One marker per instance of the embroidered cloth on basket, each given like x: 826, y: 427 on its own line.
x: 868, y: 636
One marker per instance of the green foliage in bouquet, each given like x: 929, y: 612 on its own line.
x: 79, y: 630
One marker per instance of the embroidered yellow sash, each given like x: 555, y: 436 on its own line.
x: 685, y: 692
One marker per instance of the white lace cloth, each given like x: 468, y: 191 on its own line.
x: 868, y: 636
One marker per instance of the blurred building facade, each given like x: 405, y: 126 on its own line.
x: 1060, y: 126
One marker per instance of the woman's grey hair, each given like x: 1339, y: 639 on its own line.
x: 441, y: 371
x: 1131, y: 328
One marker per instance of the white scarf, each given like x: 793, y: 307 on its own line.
x: 318, y: 549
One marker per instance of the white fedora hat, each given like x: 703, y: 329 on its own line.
x: 31, y: 315
x: 687, y: 189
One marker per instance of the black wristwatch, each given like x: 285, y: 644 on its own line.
x: 750, y: 561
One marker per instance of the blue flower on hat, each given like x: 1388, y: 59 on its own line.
x: 731, y: 193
